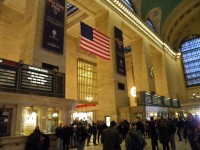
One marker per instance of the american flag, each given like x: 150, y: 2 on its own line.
x: 94, y: 42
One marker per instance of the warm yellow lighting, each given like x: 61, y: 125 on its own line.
x: 89, y: 98
x: 133, y: 91
x: 151, y: 114
x: 55, y: 114
x: 120, y: 7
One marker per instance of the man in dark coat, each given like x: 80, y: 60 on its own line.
x: 190, y: 131
x: 34, y: 140
x: 110, y: 137
x: 163, y: 128
x: 66, y: 132
x: 59, y: 137
x: 81, y: 136
x: 134, y: 139
x: 153, y: 134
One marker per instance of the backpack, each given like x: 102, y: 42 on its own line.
x: 136, y: 143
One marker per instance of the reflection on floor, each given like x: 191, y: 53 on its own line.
x: 180, y: 145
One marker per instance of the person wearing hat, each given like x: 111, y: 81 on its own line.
x: 134, y: 138
x: 111, y: 138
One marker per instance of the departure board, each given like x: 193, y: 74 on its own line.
x: 148, y: 99
x: 157, y: 100
x: 8, y: 73
x: 167, y: 102
x: 190, y: 52
x: 37, y: 79
x: 175, y: 103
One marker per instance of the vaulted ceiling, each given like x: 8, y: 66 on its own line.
x: 174, y: 20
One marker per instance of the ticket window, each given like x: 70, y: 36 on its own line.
x: 29, y: 120
x: 52, y: 120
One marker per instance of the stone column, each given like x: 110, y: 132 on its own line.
x: 71, y: 72
x: 142, y: 63
x: 109, y: 97
x: 18, y: 123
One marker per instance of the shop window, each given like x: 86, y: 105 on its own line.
x: 5, y: 121
x: 52, y: 120
x: 190, y: 52
x: 87, y: 80
x: 29, y: 120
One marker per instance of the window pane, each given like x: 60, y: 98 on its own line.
x: 87, y: 80
x: 190, y: 50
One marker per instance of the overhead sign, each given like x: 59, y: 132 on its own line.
x: 37, y: 79
x: 8, y: 73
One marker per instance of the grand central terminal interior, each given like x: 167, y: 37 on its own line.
x: 65, y: 60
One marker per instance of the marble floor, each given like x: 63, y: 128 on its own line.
x: 180, y: 145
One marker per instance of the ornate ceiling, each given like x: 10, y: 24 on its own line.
x: 173, y: 20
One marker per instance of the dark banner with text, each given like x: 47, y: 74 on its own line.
x: 119, y: 46
x: 53, y: 34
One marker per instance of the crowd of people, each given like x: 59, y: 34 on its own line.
x: 163, y: 130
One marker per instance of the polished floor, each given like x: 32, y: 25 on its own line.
x: 180, y: 145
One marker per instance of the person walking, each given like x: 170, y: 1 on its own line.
x: 59, y: 137
x: 81, y: 136
x: 153, y: 134
x: 140, y: 126
x: 110, y: 137
x: 34, y: 140
x: 94, y: 133
x: 134, y: 139
x: 66, y: 136
x: 164, y: 136
x: 172, y: 131
x: 180, y: 126
x: 190, y: 131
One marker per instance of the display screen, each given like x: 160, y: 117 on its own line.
x: 8, y: 73
x: 157, y: 100
x: 148, y: 99
x: 167, y: 102
x: 37, y: 79
x: 175, y: 103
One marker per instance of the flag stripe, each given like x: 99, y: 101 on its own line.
x: 92, y: 45
x: 94, y: 52
x: 100, y: 35
x: 95, y: 42
x: 99, y: 41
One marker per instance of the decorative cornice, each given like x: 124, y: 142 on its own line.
x: 129, y: 15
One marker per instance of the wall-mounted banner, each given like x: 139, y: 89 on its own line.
x: 53, y: 34
x: 119, y: 46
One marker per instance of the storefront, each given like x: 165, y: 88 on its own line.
x: 85, y: 112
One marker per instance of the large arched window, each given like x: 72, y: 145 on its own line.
x: 190, y: 51
x: 129, y: 4
x: 150, y: 25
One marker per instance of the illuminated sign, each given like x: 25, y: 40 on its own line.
x: 38, y: 69
x: 37, y: 79
x: 8, y: 73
